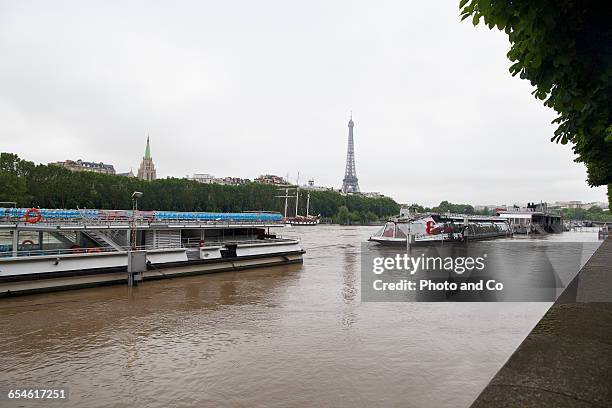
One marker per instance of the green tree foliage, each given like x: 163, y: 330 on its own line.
x: 445, y: 206
x: 56, y: 187
x: 343, y: 216
x: 592, y: 214
x: 564, y: 48
x: 419, y: 208
x: 12, y: 187
x: 370, y: 217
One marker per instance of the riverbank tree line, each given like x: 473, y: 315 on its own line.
x: 590, y: 214
x: 446, y: 206
x: 51, y: 186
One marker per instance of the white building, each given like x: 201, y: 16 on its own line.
x: 203, y: 178
x: 80, y: 165
x: 311, y: 186
x: 206, y: 178
x: 372, y: 194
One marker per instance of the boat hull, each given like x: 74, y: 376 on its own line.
x: 310, y: 223
x: 402, y: 241
x: 31, y: 283
x: 436, y: 228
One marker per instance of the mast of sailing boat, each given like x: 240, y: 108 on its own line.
x: 286, y: 197
x: 297, y: 193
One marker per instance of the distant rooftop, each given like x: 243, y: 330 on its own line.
x: 80, y: 165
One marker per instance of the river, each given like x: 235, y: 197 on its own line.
x: 286, y: 336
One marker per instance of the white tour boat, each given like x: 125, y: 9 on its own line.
x: 50, y: 249
x: 432, y: 228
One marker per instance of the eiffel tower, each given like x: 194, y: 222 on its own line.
x: 350, y: 183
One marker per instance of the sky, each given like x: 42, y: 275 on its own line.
x: 243, y: 88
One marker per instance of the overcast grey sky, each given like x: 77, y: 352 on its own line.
x: 242, y: 88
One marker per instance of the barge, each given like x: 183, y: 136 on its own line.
x: 438, y: 228
x: 53, y: 249
x: 533, y: 219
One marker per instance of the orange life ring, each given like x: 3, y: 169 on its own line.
x: 202, y: 243
x: 33, y: 215
x: 27, y: 242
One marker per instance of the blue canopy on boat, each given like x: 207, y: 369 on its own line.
x: 156, y: 215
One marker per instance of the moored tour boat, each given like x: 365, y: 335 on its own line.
x: 533, y: 219
x: 299, y: 219
x: 50, y: 249
x: 432, y: 228
x: 303, y: 220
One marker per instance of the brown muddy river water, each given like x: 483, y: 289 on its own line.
x: 286, y: 336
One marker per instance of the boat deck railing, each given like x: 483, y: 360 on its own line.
x: 126, y: 222
x: 215, y: 241
x: 56, y: 252
x: 98, y: 250
x: 449, y: 215
x: 57, y: 215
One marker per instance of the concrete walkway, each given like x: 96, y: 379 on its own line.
x: 566, y: 360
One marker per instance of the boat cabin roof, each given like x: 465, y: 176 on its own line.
x: 453, y: 218
x: 50, y: 219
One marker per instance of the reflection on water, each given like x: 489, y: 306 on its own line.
x: 284, y: 336
x: 349, y: 282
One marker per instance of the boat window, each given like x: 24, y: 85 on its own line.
x: 389, y: 227
x: 399, y: 233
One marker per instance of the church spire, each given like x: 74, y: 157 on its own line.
x: 147, y: 168
x: 148, y: 149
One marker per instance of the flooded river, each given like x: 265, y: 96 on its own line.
x: 286, y: 336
